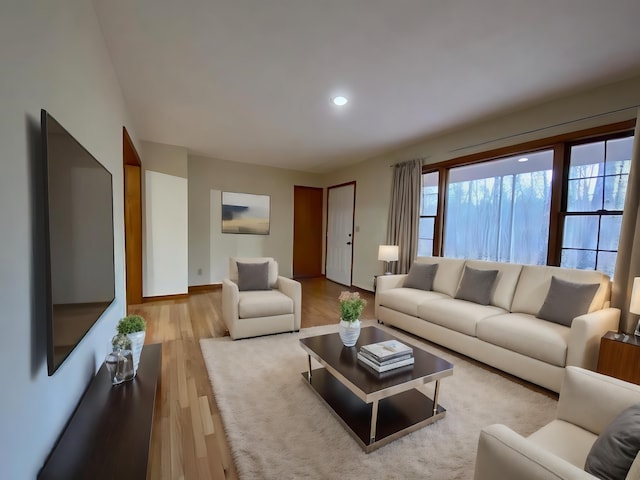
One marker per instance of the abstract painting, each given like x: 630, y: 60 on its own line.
x: 245, y: 213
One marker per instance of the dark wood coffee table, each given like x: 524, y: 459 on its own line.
x: 375, y: 408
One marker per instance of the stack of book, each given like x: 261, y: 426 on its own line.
x: 385, y: 356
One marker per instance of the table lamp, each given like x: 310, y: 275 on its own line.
x: 388, y: 253
x: 634, y: 305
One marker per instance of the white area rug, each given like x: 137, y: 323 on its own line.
x: 279, y: 429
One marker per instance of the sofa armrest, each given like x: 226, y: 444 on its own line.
x: 591, y: 400
x: 504, y: 454
x: 293, y: 290
x: 385, y: 282
x: 584, y: 339
x: 230, y: 298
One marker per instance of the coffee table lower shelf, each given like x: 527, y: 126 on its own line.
x: 398, y: 415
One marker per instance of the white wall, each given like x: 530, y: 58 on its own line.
x: 209, y: 248
x: 373, y: 177
x: 166, y: 237
x: 53, y: 56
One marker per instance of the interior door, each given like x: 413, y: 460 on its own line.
x: 132, y: 219
x: 340, y: 208
x: 307, y: 231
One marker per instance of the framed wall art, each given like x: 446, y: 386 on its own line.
x: 245, y: 213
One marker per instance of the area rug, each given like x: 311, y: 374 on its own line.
x: 277, y: 427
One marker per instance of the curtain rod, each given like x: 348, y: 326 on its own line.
x: 544, y: 128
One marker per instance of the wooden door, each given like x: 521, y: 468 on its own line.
x: 307, y: 232
x: 340, y: 211
x: 132, y: 219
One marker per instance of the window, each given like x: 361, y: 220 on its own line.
x: 428, y: 213
x: 596, y: 189
x: 499, y: 210
x: 559, y: 203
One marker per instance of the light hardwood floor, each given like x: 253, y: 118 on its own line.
x: 188, y: 440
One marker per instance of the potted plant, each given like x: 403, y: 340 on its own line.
x: 351, y: 307
x: 134, y: 327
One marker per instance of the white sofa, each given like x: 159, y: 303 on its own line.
x: 588, y: 403
x: 506, y: 333
x: 260, y: 312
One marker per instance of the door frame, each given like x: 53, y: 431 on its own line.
x: 353, y: 221
x: 132, y: 242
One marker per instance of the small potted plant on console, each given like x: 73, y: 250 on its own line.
x: 134, y: 327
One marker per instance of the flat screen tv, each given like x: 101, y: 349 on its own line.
x: 79, y: 236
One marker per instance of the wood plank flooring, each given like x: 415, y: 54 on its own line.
x: 188, y: 439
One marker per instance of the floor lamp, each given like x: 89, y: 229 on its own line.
x: 387, y: 254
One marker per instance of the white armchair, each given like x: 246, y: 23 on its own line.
x: 260, y: 312
x: 588, y: 402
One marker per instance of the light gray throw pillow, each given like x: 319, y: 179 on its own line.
x: 421, y: 276
x: 476, y: 285
x: 253, y: 276
x: 567, y: 300
x: 616, y: 448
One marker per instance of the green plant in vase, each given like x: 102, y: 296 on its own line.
x: 351, y: 307
x: 134, y: 327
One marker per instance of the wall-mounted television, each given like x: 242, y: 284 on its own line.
x: 79, y: 263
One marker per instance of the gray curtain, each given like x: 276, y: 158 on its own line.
x: 628, y: 261
x: 404, y: 213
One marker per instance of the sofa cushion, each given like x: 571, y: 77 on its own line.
x: 458, y: 315
x: 273, y: 268
x: 534, y: 282
x: 616, y: 448
x: 567, y: 300
x: 508, y: 275
x: 263, y: 303
x: 421, y: 276
x: 253, y: 276
x: 448, y: 274
x: 566, y: 440
x: 406, y: 300
x: 476, y: 285
x: 527, y: 335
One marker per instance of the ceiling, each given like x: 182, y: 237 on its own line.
x: 251, y: 80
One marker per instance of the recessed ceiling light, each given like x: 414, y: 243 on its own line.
x: 523, y: 159
x: 339, y: 101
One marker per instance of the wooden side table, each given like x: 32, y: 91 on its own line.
x: 620, y: 356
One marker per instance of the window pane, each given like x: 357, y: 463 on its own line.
x: 619, y: 155
x: 583, y: 259
x: 615, y: 189
x: 425, y: 236
x: 581, y: 231
x: 499, y: 210
x: 586, y: 160
x: 610, y: 232
x: 585, y: 195
x: 429, y: 203
x: 607, y: 262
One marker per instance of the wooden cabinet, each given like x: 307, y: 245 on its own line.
x: 620, y: 356
x: 108, y: 435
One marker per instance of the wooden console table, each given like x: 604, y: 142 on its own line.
x: 620, y: 356
x: 109, y: 433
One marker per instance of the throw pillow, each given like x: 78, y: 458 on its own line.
x: 476, y: 285
x: 253, y: 276
x: 421, y: 276
x: 617, y: 446
x: 567, y: 300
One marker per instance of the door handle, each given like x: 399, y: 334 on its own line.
x: 348, y: 243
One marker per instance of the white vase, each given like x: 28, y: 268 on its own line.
x: 137, y: 341
x: 349, y: 332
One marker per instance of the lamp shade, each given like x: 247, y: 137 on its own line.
x: 388, y: 253
x: 634, y: 306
